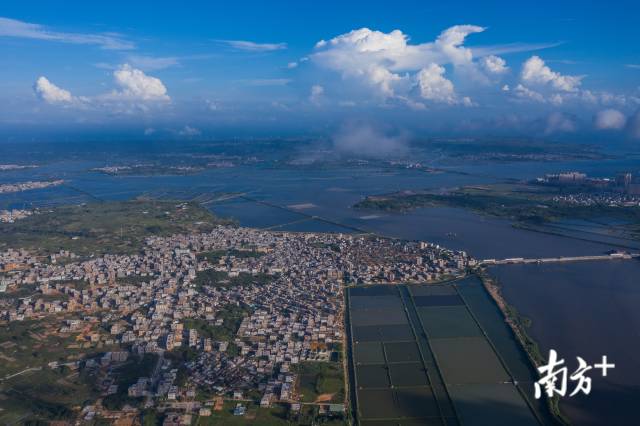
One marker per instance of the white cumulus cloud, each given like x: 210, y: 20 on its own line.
x: 526, y: 93
x: 355, y: 52
x: 534, y: 71
x: 136, y: 85
x: 494, y: 64
x: 433, y: 86
x: 450, y: 41
x: 610, y: 119
x: 392, y: 68
x: 51, y: 93
x: 135, y: 88
x: 389, y: 67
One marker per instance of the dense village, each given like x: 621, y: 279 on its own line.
x: 11, y: 167
x: 242, y: 307
x: 26, y: 186
x: 10, y: 216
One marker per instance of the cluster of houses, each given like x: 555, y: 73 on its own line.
x: 149, y: 302
x: 25, y: 186
x: 10, y: 216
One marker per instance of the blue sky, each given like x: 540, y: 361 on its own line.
x: 158, y: 70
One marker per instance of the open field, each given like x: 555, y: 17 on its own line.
x: 321, y: 378
x: 30, y: 389
x: 99, y: 228
x: 274, y: 416
x: 44, y: 395
x: 28, y: 344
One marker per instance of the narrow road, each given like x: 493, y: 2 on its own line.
x: 21, y: 372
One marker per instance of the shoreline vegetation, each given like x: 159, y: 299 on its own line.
x: 526, y: 205
x: 519, y: 324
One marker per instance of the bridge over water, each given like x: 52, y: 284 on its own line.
x: 519, y: 260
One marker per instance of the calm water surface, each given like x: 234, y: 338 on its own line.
x: 586, y: 309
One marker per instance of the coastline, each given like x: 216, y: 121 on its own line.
x: 518, y: 325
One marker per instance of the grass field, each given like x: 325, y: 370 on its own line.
x: 317, y: 378
x: 57, y: 394
x: 99, y: 228
x: 27, y: 344
x: 39, y: 392
x: 44, y: 396
x: 276, y: 415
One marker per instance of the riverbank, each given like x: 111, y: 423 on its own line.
x: 519, y: 325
